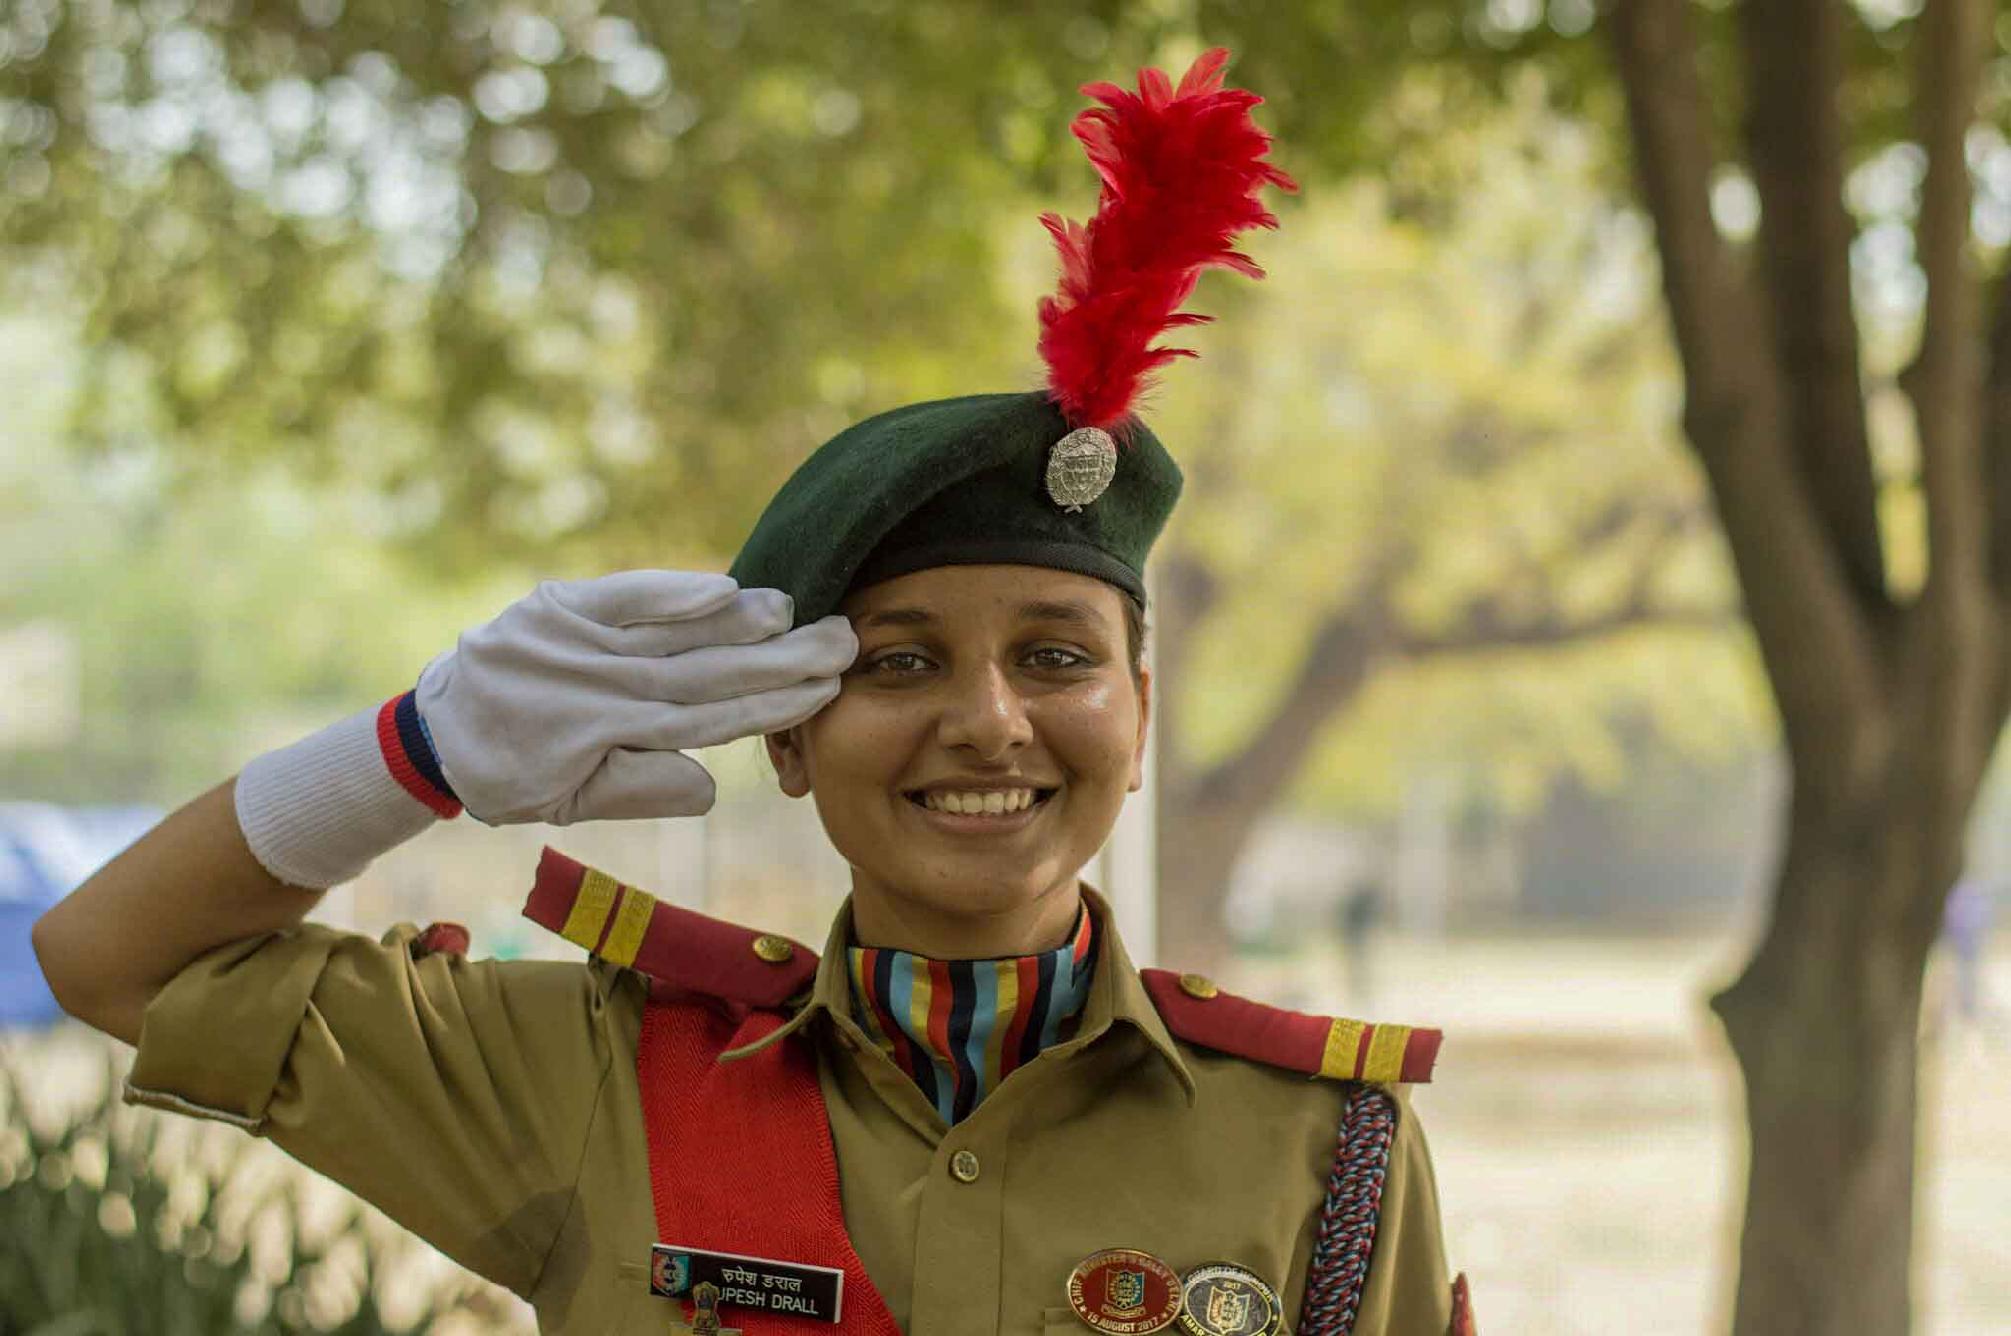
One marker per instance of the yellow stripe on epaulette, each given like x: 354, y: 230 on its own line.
x: 631, y: 920
x: 1344, y: 1047
x: 1386, y: 1053
x: 589, y: 912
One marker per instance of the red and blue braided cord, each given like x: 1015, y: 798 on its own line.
x: 1347, y: 1233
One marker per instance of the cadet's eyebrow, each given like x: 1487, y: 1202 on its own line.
x: 1070, y: 612
x: 898, y: 617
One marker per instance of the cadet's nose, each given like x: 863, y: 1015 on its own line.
x: 985, y: 713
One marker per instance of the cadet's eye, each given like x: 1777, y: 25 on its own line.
x: 877, y: 664
x: 1069, y: 658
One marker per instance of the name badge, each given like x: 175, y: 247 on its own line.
x: 762, y: 1284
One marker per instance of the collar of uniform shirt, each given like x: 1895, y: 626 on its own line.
x: 1116, y: 994
x: 959, y: 1027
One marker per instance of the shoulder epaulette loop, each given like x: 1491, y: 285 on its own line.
x: 1329, y: 1046
x: 440, y: 939
x: 693, y: 952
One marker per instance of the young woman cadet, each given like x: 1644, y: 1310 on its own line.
x: 971, y: 1113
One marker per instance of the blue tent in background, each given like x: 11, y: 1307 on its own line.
x: 46, y: 852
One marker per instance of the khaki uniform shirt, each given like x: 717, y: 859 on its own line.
x: 492, y: 1108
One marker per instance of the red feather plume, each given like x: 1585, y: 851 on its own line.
x: 1181, y: 169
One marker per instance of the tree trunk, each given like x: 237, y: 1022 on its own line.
x: 1891, y: 700
x: 1826, y: 1044
x: 1824, y: 1023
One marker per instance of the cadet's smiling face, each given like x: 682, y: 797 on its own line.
x: 973, y: 677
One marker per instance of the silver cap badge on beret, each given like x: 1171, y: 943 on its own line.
x: 1080, y: 467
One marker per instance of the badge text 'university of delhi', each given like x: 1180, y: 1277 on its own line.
x: 1080, y: 467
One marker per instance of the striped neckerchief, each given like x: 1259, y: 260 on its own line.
x: 959, y: 1027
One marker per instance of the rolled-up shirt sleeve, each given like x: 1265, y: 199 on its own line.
x: 456, y: 1095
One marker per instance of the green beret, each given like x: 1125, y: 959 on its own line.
x: 956, y: 482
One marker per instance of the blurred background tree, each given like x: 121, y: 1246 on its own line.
x: 1428, y: 469
x: 572, y: 286
x: 1827, y: 185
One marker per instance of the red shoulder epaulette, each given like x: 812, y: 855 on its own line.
x: 681, y: 947
x: 1199, y: 1012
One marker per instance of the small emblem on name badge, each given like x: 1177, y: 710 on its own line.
x: 1222, y: 1299
x: 705, y: 1315
x: 1080, y: 467
x: 1124, y: 1291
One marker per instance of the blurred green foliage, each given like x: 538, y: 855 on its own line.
x: 206, y: 622
x: 542, y: 271
x: 115, y: 1229
x: 528, y: 272
x: 591, y: 275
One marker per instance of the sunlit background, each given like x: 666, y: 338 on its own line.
x: 326, y: 332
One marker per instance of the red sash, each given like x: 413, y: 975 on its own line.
x: 740, y: 1156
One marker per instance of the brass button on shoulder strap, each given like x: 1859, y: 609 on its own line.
x: 964, y: 1167
x: 773, y: 949
x: 1198, y: 985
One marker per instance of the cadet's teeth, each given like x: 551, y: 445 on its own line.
x: 993, y: 803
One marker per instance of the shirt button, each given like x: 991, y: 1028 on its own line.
x: 964, y: 1167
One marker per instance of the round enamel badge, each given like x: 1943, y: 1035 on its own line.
x: 1124, y: 1290
x: 1222, y: 1299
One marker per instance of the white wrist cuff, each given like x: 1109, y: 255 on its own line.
x: 316, y: 813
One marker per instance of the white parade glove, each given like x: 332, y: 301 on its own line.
x: 577, y: 702
x: 572, y: 705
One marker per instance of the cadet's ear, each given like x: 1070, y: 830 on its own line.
x: 785, y: 753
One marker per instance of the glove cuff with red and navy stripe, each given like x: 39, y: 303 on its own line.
x: 408, y: 750
x: 317, y: 812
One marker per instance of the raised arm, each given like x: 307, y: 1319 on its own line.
x: 575, y: 704
x: 189, y: 884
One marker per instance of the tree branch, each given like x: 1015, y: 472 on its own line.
x: 1493, y: 623
x: 2000, y: 695
x: 1337, y: 663
x: 1671, y: 130
x: 1943, y: 379
x: 1356, y: 640
x: 1665, y: 520
x: 1489, y: 628
x: 1794, y: 65
x: 1954, y: 643
x: 1814, y: 637
x: 1996, y: 445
